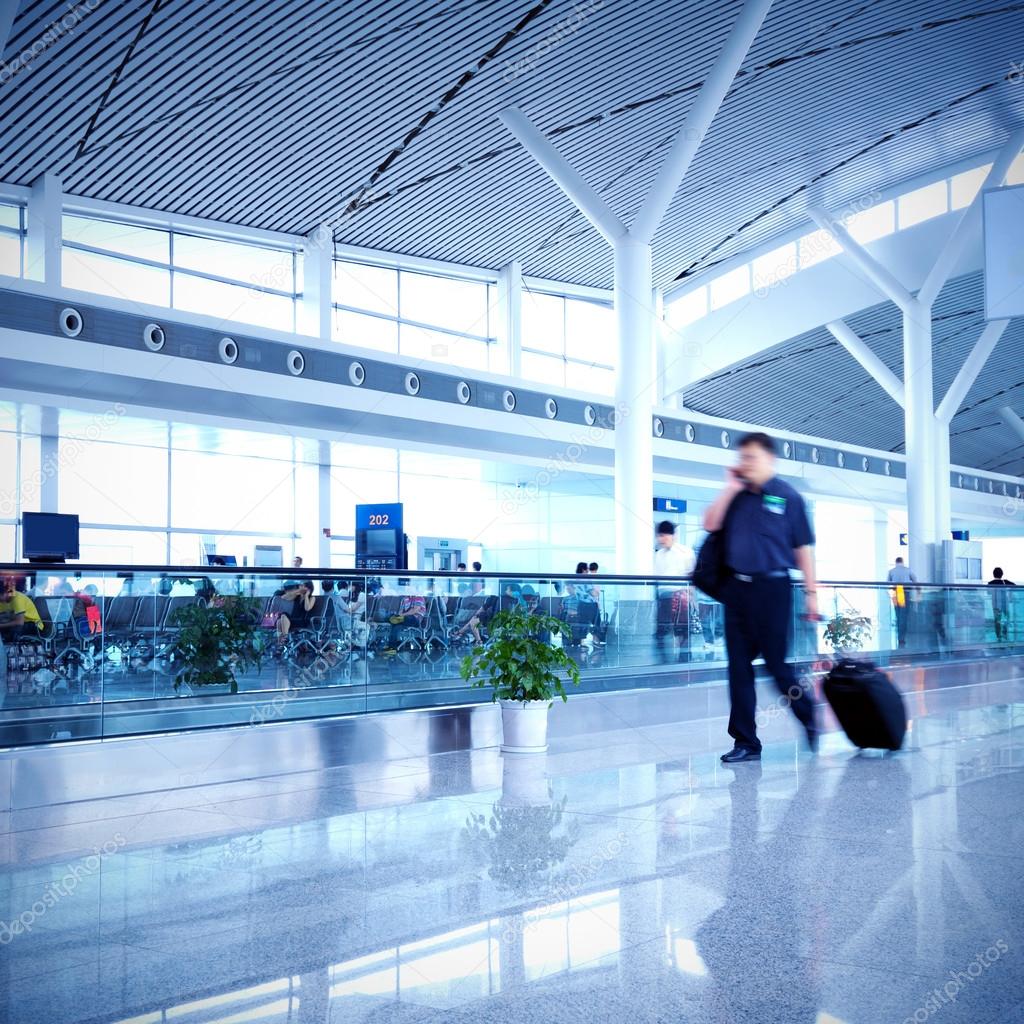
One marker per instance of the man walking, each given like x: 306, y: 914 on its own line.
x: 671, y: 559
x: 766, y: 535
x: 1000, y: 604
x: 900, y: 577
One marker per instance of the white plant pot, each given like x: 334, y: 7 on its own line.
x: 524, y: 726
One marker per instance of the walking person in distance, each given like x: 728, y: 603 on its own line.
x: 767, y: 533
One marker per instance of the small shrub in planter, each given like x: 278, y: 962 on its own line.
x: 216, y: 640
x: 847, y: 632
x: 519, y: 661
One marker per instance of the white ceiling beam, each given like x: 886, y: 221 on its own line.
x: 857, y: 348
x: 8, y: 12
x: 596, y: 210
x: 970, y: 223
x: 968, y: 374
x: 698, y: 120
x: 878, y: 275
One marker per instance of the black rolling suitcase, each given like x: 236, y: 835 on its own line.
x: 869, y: 708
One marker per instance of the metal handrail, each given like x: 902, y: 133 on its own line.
x: 81, y: 568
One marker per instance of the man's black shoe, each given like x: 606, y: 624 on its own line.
x: 741, y: 754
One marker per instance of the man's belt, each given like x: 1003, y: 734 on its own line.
x: 775, y: 574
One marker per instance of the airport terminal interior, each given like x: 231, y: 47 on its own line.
x: 511, y: 511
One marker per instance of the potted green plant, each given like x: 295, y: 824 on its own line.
x: 845, y: 633
x: 525, y: 669
x: 216, y: 640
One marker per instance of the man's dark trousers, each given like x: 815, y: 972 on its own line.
x: 758, y: 621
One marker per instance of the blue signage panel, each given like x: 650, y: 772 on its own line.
x: 903, y: 540
x: 677, y: 505
x: 379, y: 517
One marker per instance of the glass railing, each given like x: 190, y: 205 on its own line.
x: 128, y: 651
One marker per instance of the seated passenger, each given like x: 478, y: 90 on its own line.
x: 350, y: 609
x: 303, y: 602
x: 411, y: 612
x: 18, y: 615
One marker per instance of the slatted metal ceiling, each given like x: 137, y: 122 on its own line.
x: 381, y: 118
x: 813, y: 385
x: 277, y: 114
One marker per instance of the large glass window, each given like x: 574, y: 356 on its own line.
x: 568, y: 342
x: 113, y: 483
x: 423, y: 316
x: 252, y: 284
x: 12, y: 240
x: 923, y: 204
x: 730, y: 286
x: 231, y: 492
x: 111, y: 275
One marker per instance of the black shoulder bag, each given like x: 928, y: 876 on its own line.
x: 710, y: 572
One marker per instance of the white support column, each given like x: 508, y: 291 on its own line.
x: 973, y: 365
x: 698, y: 120
x: 596, y: 210
x: 969, y: 224
x: 8, y: 12
x: 44, y: 230
x: 881, y: 278
x: 637, y: 374
x: 919, y: 428
x: 323, y: 559
x: 634, y: 397
x: 1013, y: 421
x: 318, y: 258
x: 860, y: 351
x: 509, y: 317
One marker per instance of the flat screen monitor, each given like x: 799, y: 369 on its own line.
x: 221, y: 560
x: 49, y: 536
x: 381, y: 542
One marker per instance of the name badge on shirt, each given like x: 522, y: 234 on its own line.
x: 773, y: 503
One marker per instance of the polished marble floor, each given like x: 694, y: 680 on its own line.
x: 625, y: 876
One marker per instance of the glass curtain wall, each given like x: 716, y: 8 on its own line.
x: 158, y: 492
x: 254, y: 284
x: 12, y: 240
x: 568, y: 342
x: 424, y: 316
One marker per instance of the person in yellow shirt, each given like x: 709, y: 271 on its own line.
x: 18, y: 615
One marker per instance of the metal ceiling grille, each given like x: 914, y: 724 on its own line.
x: 277, y: 114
